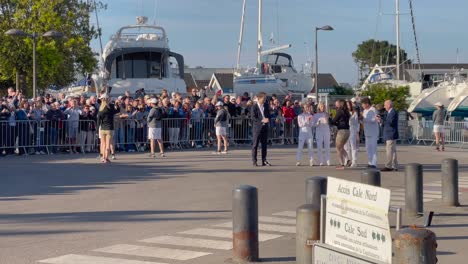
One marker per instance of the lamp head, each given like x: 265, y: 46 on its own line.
x: 16, y: 33
x: 326, y: 28
x: 53, y: 34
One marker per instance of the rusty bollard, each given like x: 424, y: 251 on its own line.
x: 307, y: 232
x: 245, y: 223
x: 415, y: 245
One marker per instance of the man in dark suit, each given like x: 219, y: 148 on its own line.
x: 390, y: 136
x: 260, y: 119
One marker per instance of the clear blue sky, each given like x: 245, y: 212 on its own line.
x: 206, y: 31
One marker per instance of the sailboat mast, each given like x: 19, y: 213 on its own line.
x: 259, y: 51
x: 241, y: 36
x: 397, y: 15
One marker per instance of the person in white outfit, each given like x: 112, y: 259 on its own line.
x: 322, y: 134
x: 305, y: 121
x: 352, y: 146
x: 371, y: 120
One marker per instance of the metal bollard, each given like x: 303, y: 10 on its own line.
x: 307, y: 232
x: 315, y: 187
x: 415, y: 245
x: 414, y: 189
x: 450, y: 182
x: 371, y: 177
x: 245, y: 223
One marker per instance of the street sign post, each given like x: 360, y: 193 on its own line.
x: 357, y: 219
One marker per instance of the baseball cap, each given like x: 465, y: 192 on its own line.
x: 219, y: 104
x: 104, y: 96
x: 153, y: 101
x: 438, y: 104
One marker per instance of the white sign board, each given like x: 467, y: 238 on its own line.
x: 357, y: 219
x: 325, y: 255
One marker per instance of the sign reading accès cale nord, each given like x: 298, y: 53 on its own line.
x: 357, y: 219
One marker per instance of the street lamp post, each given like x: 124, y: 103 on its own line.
x: 325, y: 28
x: 34, y: 36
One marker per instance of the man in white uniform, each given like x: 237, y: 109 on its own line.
x: 371, y: 120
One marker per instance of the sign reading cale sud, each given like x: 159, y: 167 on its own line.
x: 357, y: 219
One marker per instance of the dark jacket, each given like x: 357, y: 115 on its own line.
x: 105, y: 117
x: 257, y: 116
x: 341, y: 120
x: 390, y: 126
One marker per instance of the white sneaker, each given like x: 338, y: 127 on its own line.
x: 224, y: 152
x: 328, y: 163
x: 311, y: 163
x: 298, y: 163
x: 42, y: 153
x: 353, y: 165
x: 162, y: 155
x: 321, y: 164
x: 113, y: 157
x: 37, y: 153
x: 199, y: 147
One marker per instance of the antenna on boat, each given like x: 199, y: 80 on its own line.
x: 98, y: 26
x: 260, y: 41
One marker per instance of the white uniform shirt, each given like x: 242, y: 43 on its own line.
x: 354, y: 123
x: 371, y: 126
x: 305, y: 122
x: 321, y: 120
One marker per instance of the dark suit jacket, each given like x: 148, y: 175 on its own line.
x: 390, y: 126
x: 257, y: 116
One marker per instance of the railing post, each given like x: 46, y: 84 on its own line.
x: 414, y: 189
x: 371, y: 177
x: 315, y: 187
x: 415, y: 245
x: 245, y: 223
x: 450, y: 182
x: 307, y: 232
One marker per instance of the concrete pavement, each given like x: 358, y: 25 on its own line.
x: 72, y: 209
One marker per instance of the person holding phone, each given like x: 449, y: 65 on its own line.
x: 305, y: 122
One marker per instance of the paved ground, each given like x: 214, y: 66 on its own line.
x: 70, y: 209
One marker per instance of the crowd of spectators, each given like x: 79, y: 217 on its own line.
x: 49, y: 124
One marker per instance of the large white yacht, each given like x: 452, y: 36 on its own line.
x: 138, y: 57
x: 275, y: 72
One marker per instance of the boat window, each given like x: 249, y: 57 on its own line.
x: 140, y: 65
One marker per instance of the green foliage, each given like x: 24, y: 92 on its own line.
x: 340, y: 90
x: 58, y: 60
x: 381, y: 92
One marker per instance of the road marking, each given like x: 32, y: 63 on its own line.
x: 431, y: 195
x: 398, y: 203
x: 266, y: 227
x: 190, y: 242
x: 286, y: 213
x: 82, y: 259
x: 222, y: 233
x: 154, y: 252
x: 277, y: 220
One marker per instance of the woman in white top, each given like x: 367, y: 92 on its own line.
x: 352, y: 146
x: 322, y: 134
x: 305, y: 121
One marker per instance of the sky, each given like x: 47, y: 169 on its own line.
x: 206, y: 32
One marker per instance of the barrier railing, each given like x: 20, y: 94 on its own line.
x: 49, y: 136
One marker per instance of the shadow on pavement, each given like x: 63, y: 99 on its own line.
x: 108, y: 216
x: 278, y: 259
x: 27, y: 177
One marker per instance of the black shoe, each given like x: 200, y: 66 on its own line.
x: 255, y: 164
x: 266, y: 163
x: 386, y: 169
x: 371, y: 167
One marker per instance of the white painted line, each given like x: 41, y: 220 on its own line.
x: 434, y: 196
x: 277, y: 220
x: 433, y: 185
x: 222, y: 233
x: 266, y: 227
x: 190, y: 242
x: 428, y: 200
x: 154, y: 252
x: 397, y: 194
x: 401, y: 203
x: 286, y: 213
x: 432, y: 192
x: 82, y: 259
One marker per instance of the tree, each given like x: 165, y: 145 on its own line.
x: 381, y: 92
x: 340, y: 90
x: 372, y: 52
x: 58, y: 60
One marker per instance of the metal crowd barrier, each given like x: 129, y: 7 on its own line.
x: 47, y: 136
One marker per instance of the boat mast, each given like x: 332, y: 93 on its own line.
x: 397, y: 39
x: 241, y: 37
x: 259, y: 51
